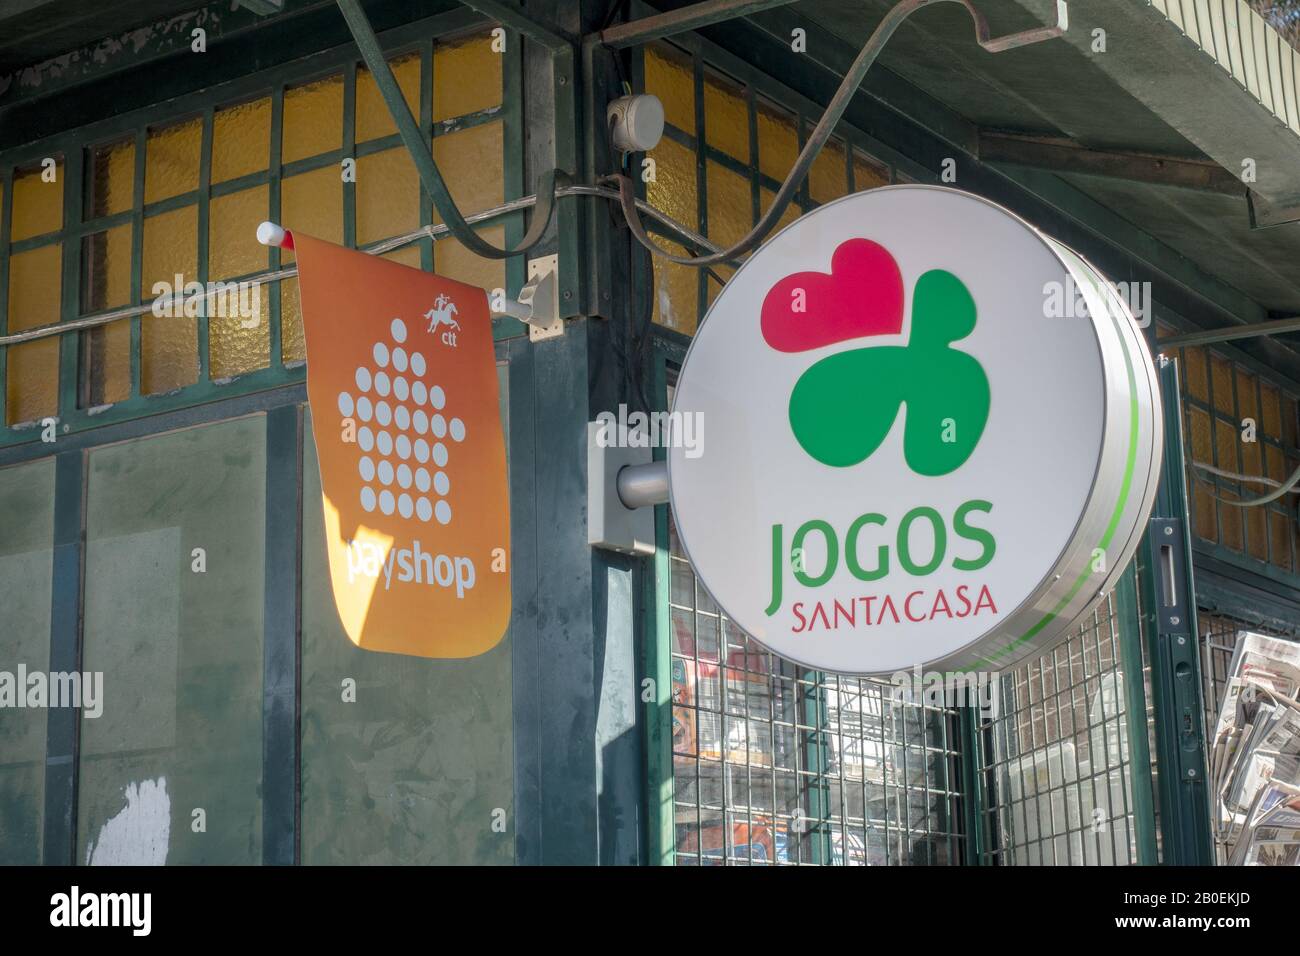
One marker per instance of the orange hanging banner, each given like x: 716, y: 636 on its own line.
x: 402, y: 381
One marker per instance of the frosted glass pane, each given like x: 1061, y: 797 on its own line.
x: 669, y: 76
x: 388, y: 195
x: 32, y: 383
x: 169, y: 358
x: 313, y: 119
x: 38, y: 205
x: 181, y: 652
x: 373, y: 118
x: 26, y: 581
x: 466, y: 77
x: 172, y: 160
x: 112, y: 178
x: 411, y: 772
x: 241, y: 140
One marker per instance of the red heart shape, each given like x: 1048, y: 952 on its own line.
x: 863, y: 295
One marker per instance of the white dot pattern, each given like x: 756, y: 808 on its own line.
x: 394, y: 452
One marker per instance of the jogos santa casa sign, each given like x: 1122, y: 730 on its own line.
x: 910, y: 460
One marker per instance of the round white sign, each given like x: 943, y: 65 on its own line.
x: 932, y: 436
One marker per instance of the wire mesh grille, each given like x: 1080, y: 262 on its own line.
x: 776, y: 764
x: 1055, y: 759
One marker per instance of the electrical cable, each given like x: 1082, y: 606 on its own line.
x: 1282, y: 488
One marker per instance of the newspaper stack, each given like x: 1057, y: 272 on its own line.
x: 1255, y: 757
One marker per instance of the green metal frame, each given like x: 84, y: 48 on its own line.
x: 1169, y: 619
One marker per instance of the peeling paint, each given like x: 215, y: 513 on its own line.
x: 139, y: 834
x: 174, y: 31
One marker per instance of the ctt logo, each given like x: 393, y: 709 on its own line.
x: 441, y: 315
x: 843, y: 407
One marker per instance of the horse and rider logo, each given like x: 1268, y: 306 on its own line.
x: 441, y: 315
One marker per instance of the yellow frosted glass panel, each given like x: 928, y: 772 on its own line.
x: 778, y: 144
x: 1256, y: 530
x: 673, y: 189
x: 38, y: 205
x: 454, y: 261
x: 1280, y: 540
x: 1275, y: 465
x: 107, y: 353
x: 828, y: 178
x: 1203, y: 505
x: 406, y: 255
x: 313, y: 119
x: 241, y: 140
x: 791, y: 213
x: 112, y: 178
x: 673, y: 192
x: 730, y: 205
x: 106, y: 269
x: 313, y: 203
x: 1226, y: 443
x: 169, y: 349
x: 32, y: 383
x: 233, y: 249
x: 171, y: 160
x: 1195, y: 374
x: 668, y: 75
x: 293, y: 348
x: 470, y: 161
x: 105, y: 284
x: 868, y: 173
x: 239, y: 341
x: 388, y: 195
x: 373, y: 119
x: 466, y: 77
x: 34, y: 287
x: 676, y: 290
x: 1271, y: 412
x: 1289, y: 422
x: 1247, y: 406
x: 726, y: 118
x: 1221, y: 383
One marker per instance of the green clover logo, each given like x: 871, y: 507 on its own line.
x: 842, y: 407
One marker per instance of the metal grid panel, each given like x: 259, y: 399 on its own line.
x: 775, y: 764
x: 1056, y: 757
x: 1218, y: 640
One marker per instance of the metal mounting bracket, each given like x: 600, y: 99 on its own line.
x: 611, y: 522
x: 541, y: 296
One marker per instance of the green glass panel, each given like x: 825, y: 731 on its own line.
x: 415, y: 770
x: 180, y: 649
x: 26, y: 579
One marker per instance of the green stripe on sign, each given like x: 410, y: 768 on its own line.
x: 1125, y: 488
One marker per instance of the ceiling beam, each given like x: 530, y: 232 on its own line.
x: 697, y: 15
x: 1066, y: 156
